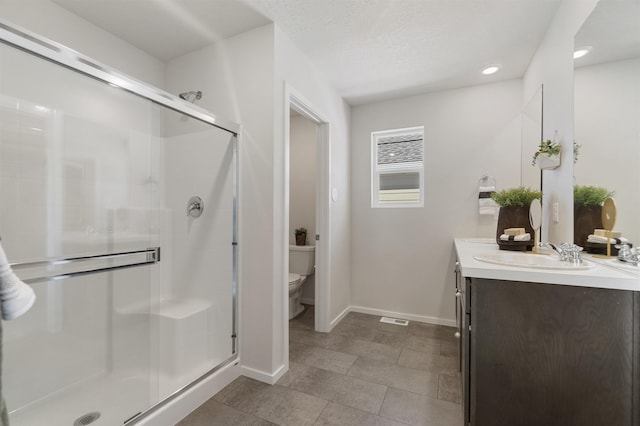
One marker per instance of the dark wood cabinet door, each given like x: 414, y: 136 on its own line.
x: 550, y: 355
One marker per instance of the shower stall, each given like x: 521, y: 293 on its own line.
x: 118, y: 206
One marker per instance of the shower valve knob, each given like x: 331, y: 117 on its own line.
x: 195, y: 206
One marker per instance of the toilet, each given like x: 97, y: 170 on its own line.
x: 302, y: 260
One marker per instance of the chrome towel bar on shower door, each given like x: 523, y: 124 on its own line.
x: 42, y: 270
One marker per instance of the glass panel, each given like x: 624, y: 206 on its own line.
x: 78, y: 176
x: 399, y: 187
x: 399, y: 181
x: 196, y: 312
x: 400, y: 149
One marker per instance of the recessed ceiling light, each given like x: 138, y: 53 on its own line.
x: 579, y: 53
x: 491, y: 69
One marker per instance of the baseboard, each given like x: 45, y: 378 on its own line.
x: 339, y: 318
x: 263, y: 376
x: 410, y: 317
x: 307, y: 301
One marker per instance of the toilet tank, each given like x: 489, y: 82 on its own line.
x: 302, y: 259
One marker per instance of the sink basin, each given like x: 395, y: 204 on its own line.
x: 539, y: 261
x: 628, y: 267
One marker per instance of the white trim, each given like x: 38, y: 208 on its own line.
x: 239, y: 272
x: 340, y: 317
x: 410, y: 317
x: 191, y: 399
x: 263, y: 376
x: 296, y: 101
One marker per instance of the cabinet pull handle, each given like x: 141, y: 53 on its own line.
x: 456, y: 334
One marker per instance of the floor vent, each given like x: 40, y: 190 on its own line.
x: 395, y: 321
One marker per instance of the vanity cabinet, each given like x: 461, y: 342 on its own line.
x: 548, y: 354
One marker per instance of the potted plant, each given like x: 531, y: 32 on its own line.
x: 547, y: 156
x: 514, y: 213
x: 587, y: 211
x: 301, y: 236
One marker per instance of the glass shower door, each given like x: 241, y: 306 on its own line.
x: 136, y: 295
x: 76, y: 180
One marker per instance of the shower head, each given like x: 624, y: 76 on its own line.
x: 187, y: 95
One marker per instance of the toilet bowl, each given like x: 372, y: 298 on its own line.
x: 301, y: 264
x: 295, y: 293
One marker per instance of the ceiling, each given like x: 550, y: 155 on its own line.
x: 607, y: 44
x: 369, y: 49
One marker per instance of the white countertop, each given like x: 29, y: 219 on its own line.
x: 605, y: 274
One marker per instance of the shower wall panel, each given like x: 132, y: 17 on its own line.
x: 196, y: 309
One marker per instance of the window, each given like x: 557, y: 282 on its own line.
x: 397, y: 168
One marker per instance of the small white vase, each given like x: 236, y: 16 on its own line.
x: 548, y: 162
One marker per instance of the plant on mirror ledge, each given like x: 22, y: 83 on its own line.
x: 587, y: 211
x: 576, y: 151
x: 547, y: 157
x: 514, y: 214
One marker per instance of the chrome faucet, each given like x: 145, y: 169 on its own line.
x: 568, y: 252
x: 628, y: 254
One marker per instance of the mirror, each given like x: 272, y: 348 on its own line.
x: 607, y: 108
x: 531, y: 136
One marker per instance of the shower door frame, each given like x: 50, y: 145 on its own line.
x: 32, y: 43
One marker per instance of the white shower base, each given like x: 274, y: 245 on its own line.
x: 185, y: 352
x: 116, y: 398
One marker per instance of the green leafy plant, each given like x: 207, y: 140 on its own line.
x: 518, y: 197
x: 590, y: 195
x: 301, y: 236
x: 546, y: 147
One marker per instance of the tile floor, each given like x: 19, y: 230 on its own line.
x: 362, y: 373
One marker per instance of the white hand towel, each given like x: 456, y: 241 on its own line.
x: 603, y: 240
x: 16, y: 297
x: 486, y: 205
x: 521, y: 237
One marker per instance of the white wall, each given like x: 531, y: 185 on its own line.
x: 607, y: 125
x: 402, y: 258
x: 552, y: 66
x: 303, y: 182
x: 52, y: 21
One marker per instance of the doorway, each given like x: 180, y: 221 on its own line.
x: 300, y: 112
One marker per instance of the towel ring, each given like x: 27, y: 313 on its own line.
x: 487, y: 180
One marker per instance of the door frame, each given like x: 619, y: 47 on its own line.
x: 294, y: 100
